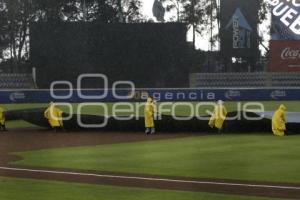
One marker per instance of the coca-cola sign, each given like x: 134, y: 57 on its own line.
x: 290, y: 53
x: 284, y: 56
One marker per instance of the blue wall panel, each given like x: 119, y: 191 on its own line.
x: 45, y: 96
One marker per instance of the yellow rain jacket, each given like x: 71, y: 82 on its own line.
x: 278, y: 121
x: 149, y: 114
x: 54, y: 116
x: 218, y: 117
x: 2, y: 116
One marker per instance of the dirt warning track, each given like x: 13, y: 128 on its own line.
x: 28, y: 140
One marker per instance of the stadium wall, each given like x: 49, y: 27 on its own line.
x: 166, y: 95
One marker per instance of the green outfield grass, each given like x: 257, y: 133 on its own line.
x: 21, y: 106
x: 19, y: 124
x: 26, y: 189
x: 242, y: 157
x: 182, y: 110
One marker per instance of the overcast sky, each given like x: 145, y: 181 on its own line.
x: 147, y: 8
x: 147, y: 11
x: 204, y: 44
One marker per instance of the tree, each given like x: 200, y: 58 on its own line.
x: 104, y: 11
x: 198, y: 14
x: 15, y: 20
x: 132, y: 11
x: 174, y: 5
x: 264, y: 11
x: 202, y: 16
x: 4, y: 39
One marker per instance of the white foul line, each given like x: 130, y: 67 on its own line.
x: 152, y: 179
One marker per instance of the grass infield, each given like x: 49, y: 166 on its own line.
x: 254, y: 157
x: 27, y: 189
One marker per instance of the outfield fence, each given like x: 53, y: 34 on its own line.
x: 137, y: 95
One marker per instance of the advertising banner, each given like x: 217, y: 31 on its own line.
x: 241, y: 30
x: 238, y: 29
x: 285, y: 19
x: 140, y: 95
x: 284, y: 56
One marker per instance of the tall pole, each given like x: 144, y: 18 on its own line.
x: 120, y: 11
x: 193, y: 23
x: 84, y: 10
x: 219, y: 23
x: 212, y: 5
x: 2, y: 5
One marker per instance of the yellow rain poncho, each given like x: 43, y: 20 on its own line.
x: 218, y: 117
x: 54, y: 116
x: 149, y: 113
x: 278, y: 121
x: 2, y: 116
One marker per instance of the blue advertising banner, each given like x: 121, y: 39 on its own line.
x: 241, y: 30
x: 166, y: 95
x: 285, y: 19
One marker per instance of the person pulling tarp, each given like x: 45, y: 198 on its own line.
x: 278, y: 121
x: 54, y: 117
x: 218, y: 116
x: 149, y: 116
x: 2, y: 119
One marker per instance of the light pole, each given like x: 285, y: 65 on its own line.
x: 84, y: 10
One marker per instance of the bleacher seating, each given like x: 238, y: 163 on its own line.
x: 245, y: 80
x: 203, y: 80
x: 16, y: 81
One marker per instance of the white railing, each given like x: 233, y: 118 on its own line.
x: 16, y: 81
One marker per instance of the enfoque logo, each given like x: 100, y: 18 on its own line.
x: 126, y: 111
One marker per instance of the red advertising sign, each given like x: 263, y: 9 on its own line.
x: 284, y: 56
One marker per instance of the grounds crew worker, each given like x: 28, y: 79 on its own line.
x: 2, y: 119
x: 54, y: 116
x: 149, y: 116
x: 218, y: 117
x: 278, y: 121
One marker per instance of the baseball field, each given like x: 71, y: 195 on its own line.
x: 36, y: 163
